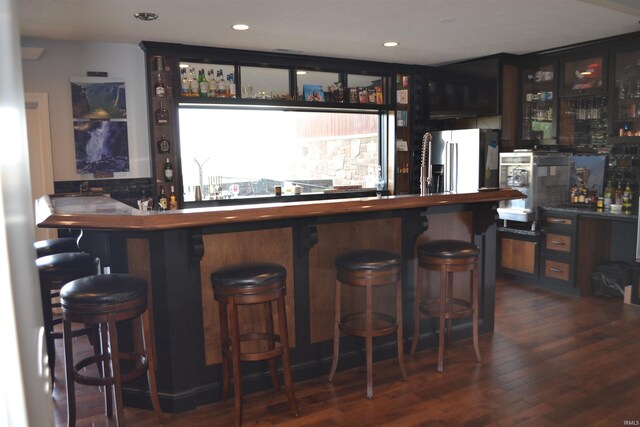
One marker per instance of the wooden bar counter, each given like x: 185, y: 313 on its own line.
x: 176, y: 251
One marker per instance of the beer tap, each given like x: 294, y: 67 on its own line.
x: 425, y: 169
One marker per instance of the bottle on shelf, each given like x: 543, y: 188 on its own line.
x: 573, y: 195
x: 213, y: 86
x: 203, y: 84
x: 173, y: 200
x: 162, y: 200
x: 627, y: 199
x: 164, y: 145
x: 222, y: 86
x: 618, y: 194
x: 608, y: 195
x: 162, y: 115
x: 184, y: 82
x: 231, y: 85
x: 160, y: 89
x: 168, y: 171
x: 194, y: 87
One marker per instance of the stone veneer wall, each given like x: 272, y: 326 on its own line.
x: 347, y: 160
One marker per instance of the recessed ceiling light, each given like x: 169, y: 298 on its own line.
x: 301, y: 72
x: 240, y: 27
x: 390, y: 44
x: 146, y: 16
x: 447, y: 20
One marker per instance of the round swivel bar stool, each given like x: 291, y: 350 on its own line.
x: 447, y: 257
x: 56, y: 246
x: 55, y: 271
x: 252, y: 284
x: 368, y: 269
x: 104, y: 300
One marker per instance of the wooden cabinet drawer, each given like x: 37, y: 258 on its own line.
x: 558, y: 242
x: 556, y: 269
x: 553, y: 220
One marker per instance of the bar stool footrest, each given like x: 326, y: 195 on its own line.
x: 353, y: 324
x: 258, y: 355
x: 454, y: 307
x: 139, y: 369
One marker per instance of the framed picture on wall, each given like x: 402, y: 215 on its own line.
x: 100, y: 125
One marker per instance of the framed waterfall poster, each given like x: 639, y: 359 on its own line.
x: 100, y: 125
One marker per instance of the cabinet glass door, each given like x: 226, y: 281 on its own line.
x: 538, y: 99
x: 626, y: 120
x: 583, y: 76
x: 583, y: 122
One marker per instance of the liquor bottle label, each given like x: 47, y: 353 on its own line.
x: 163, y: 146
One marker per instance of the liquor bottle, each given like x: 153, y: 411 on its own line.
x: 213, y: 87
x: 184, y: 82
x: 222, y: 87
x: 203, y: 84
x: 173, y: 200
x: 162, y: 200
x: 194, y: 87
x: 164, y: 145
x: 608, y: 194
x: 627, y: 199
x: 168, y: 171
x: 159, y: 88
x: 618, y: 194
x: 162, y: 115
x: 573, y: 195
x: 232, y: 86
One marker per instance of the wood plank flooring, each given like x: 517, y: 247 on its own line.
x: 553, y: 360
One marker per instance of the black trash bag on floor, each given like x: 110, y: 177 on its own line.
x: 610, y: 279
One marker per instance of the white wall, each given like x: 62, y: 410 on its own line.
x: 52, y: 72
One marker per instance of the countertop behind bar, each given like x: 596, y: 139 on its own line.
x: 106, y: 213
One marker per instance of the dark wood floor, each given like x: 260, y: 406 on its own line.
x: 552, y: 360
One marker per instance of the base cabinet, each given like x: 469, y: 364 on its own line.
x: 518, y: 253
x: 558, y: 253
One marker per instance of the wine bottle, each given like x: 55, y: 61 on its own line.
x: 168, y: 171
x: 203, y: 84
x: 173, y: 200
x: 162, y: 200
x: 164, y: 145
x: 160, y: 89
x: 162, y: 115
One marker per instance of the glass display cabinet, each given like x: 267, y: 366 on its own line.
x: 583, y: 76
x: 538, y: 103
x: 626, y: 119
x: 583, y: 122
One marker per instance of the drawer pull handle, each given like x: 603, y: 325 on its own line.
x: 557, y: 242
x: 555, y: 270
x: 558, y: 221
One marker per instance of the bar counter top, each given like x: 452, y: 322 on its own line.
x: 96, y: 212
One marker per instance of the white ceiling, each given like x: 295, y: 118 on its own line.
x: 340, y: 28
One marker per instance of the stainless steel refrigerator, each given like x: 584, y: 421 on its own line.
x: 465, y: 160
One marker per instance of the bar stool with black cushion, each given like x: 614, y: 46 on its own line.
x: 104, y: 300
x: 368, y: 269
x: 250, y: 284
x: 447, y: 257
x: 56, y: 246
x: 55, y: 271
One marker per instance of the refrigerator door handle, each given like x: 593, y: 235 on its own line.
x: 451, y: 174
